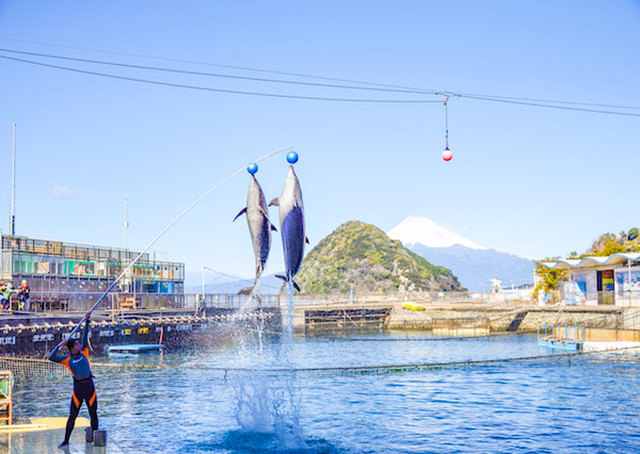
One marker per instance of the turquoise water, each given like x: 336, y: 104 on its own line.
x: 202, y: 403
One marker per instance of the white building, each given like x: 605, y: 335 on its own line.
x: 601, y: 280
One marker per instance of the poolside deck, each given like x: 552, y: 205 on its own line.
x: 43, y: 435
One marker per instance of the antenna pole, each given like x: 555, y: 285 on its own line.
x: 12, y: 219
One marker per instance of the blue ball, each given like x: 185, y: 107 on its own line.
x: 292, y: 157
x: 252, y: 168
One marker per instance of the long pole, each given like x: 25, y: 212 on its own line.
x: 12, y: 226
x: 163, y: 231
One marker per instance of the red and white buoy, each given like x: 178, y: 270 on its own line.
x: 446, y: 154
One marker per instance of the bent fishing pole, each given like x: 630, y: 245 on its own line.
x: 176, y: 219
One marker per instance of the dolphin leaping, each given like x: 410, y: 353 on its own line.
x: 260, y: 230
x: 292, y: 226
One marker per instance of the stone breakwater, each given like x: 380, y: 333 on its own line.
x: 521, y: 319
x: 516, y: 318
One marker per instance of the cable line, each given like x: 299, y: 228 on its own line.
x: 531, y: 102
x: 218, y: 90
x: 445, y: 93
x: 200, y: 73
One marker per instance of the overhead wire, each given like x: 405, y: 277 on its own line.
x: 217, y: 65
x: 531, y: 102
x: 312, y: 76
x: 207, y: 74
x: 220, y: 90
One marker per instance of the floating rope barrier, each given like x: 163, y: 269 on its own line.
x: 40, y: 367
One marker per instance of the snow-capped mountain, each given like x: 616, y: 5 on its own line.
x: 473, y: 264
x: 417, y: 230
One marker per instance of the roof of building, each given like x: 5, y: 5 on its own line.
x: 592, y: 262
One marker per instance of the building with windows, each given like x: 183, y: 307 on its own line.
x: 614, y: 279
x: 73, y: 276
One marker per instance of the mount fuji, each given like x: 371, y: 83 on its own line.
x: 473, y: 264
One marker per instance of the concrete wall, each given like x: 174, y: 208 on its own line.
x: 501, y: 319
x: 586, y: 318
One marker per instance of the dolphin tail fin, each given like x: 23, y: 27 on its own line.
x: 242, y: 211
x: 251, y: 292
x: 275, y: 202
x: 284, y: 278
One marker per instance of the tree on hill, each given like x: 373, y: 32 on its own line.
x: 609, y: 243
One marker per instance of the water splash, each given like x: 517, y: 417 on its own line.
x: 265, y: 403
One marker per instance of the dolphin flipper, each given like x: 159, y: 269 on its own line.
x: 266, y: 216
x: 242, y: 211
x: 275, y: 202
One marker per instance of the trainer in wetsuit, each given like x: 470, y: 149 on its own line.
x: 83, y: 390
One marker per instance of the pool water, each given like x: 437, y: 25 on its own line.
x: 244, y: 396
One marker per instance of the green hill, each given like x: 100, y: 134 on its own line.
x: 363, y: 256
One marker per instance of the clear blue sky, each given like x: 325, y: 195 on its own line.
x: 526, y: 180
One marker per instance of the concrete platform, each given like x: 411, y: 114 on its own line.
x: 608, y: 346
x: 43, y: 435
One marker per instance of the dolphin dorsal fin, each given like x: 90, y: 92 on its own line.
x: 306, y: 239
x: 275, y: 202
x: 242, y: 211
x: 273, y: 227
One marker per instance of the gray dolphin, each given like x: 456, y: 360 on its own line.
x: 292, y: 226
x: 259, y: 228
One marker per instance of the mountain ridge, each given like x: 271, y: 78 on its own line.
x: 474, y: 266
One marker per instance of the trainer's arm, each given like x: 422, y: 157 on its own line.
x: 53, y: 356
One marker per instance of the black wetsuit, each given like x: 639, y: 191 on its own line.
x: 83, y: 388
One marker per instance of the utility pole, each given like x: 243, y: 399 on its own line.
x: 126, y: 225
x: 12, y: 218
x: 203, y: 286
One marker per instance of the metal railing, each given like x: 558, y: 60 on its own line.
x: 610, y: 298
x: 82, y: 301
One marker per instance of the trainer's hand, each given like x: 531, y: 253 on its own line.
x: 62, y: 343
x: 87, y: 316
